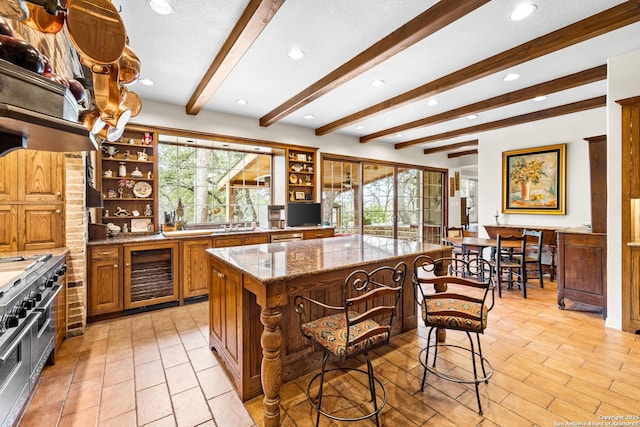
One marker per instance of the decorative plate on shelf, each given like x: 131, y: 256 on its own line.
x: 297, y: 167
x: 142, y: 189
x: 293, y: 178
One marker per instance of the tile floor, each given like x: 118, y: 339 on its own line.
x: 154, y: 369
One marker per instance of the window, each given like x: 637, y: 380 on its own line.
x: 469, y: 189
x: 213, y: 184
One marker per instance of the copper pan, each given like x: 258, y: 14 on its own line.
x: 96, y: 30
x: 133, y: 102
x: 106, y: 88
x: 118, y: 115
x: 93, y: 122
x: 39, y: 19
x: 108, y: 133
x: 129, y: 66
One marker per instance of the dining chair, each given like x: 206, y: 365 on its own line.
x: 533, y: 253
x: 455, y: 232
x: 508, y: 265
x: 458, y: 304
x: 361, y: 323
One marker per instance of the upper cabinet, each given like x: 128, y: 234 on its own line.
x: 127, y: 171
x: 301, y: 174
x: 32, y: 201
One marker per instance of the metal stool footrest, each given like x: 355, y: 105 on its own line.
x: 484, y: 363
x: 333, y: 417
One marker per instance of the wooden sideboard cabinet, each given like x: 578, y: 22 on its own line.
x: 105, y: 282
x: 582, y: 269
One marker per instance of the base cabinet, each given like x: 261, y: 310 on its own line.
x: 105, y: 282
x: 582, y: 269
x: 195, y: 274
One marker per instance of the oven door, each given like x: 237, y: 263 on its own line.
x: 42, y: 344
x: 15, y: 369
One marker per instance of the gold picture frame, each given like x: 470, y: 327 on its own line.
x: 300, y: 195
x: 534, y: 180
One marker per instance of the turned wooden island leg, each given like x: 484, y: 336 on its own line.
x: 271, y: 369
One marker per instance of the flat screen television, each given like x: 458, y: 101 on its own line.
x: 304, y: 213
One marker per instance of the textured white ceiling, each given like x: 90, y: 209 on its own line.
x: 176, y: 51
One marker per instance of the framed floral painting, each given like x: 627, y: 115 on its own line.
x: 533, y: 180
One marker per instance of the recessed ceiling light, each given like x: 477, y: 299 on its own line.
x: 433, y: 102
x: 377, y: 83
x: 161, y: 7
x: 295, y: 54
x: 225, y: 145
x: 256, y: 148
x: 399, y: 135
x: 146, y: 82
x: 360, y: 127
x: 241, y: 101
x: 309, y: 116
x: 522, y: 11
x: 472, y: 116
x: 511, y: 77
x: 540, y: 98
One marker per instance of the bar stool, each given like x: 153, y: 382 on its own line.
x: 362, y: 323
x: 459, y: 303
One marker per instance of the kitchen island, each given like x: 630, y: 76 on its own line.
x: 253, y: 325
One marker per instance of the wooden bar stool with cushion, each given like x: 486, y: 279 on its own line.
x: 456, y: 303
x: 361, y: 323
x: 533, y: 251
x: 508, y: 265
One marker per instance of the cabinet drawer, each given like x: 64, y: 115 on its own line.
x: 317, y: 234
x: 107, y: 252
x: 224, y: 242
x: 254, y: 240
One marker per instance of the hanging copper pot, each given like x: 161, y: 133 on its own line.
x: 106, y: 88
x: 117, y: 115
x: 134, y: 103
x: 129, y: 66
x: 93, y: 122
x: 39, y: 19
x: 96, y: 30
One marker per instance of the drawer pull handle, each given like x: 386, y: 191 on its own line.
x: 115, y: 265
x: 104, y: 253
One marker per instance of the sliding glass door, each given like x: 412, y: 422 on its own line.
x: 379, y: 199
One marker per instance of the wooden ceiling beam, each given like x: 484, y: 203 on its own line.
x: 462, y: 153
x: 451, y: 146
x: 433, y: 19
x: 574, y: 107
x: 593, y: 26
x: 563, y: 83
x: 254, y: 19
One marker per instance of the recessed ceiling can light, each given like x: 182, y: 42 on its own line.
x: 377, y: 83
x: 522, y: 11
x: 511, y: 77
x: 432, y: 102
x: 146, y: 82
x: 161, y: 7
x: 295, y: 54
x: 472, y: 116
x: 539, y: 98
x: 399, y: 135
x: 360, y: 127
x: 241, y: 101
x: 309, y: 116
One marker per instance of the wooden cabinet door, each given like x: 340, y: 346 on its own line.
x: 105, y: 290
x: 41, y: 226
x: 8, y: 230
x: 226, y: 313
x: 631, y: 293
x: 42, y: 178
x: 195, y: 273
x: 318, y: 234
x: 9, y: 177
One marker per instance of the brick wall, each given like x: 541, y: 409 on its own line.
x: 76, y: 237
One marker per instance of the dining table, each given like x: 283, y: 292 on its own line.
x: 477, y: 244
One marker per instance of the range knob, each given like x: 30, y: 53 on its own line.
x: 51, y: 281
x: 20, y: 311
x: 11, y: 321
x: 28, y: 303
x: 62, y: 270
x: 35, y: 295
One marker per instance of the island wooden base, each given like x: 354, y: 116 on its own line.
x: 254, y: 327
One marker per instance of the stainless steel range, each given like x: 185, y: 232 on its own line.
x: 28, y: 287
